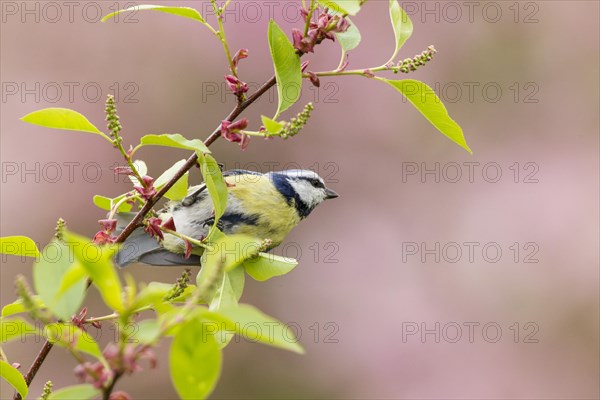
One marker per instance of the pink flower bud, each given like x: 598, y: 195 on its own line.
x: 240, y: 55
x: 314, y: 79
x: 109, y: 225
x: 238, y: 87
x: 153, y: 227
x: 170, y: 224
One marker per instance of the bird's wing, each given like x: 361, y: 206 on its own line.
x: 197, y: 191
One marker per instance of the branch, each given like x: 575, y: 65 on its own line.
x: 37, y: 363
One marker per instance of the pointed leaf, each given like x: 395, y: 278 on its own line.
x: 18, y: 246
x: 213, y: 178
x: 175, y: 140
x: 15, y: 328
x: 351, y: 7
x: 267, y: 266
x: 185, y: 12
x: 141, y: 168
x: 97, y: 262
x: 428, y: 103
x: 48, y: 273
x: 106, y: 203
x: 287, y: 68
x: 61, y: 118
x: 402, y: 25
x: 270, y: 125
x: 17, y: 307
x: 350, y: 39
x: 12, y: 375
x: 179, y: 190
x: 194, y: 361
x: 257, y: 326
x: 75, y: 392
x: 70, y: 336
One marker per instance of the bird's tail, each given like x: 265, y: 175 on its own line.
x: 140, y: 247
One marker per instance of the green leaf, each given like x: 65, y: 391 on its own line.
x: 351, y: 7
x: 175, y: 140
x: 224, y: 295
x: 350, y: 39
x: 13, y: 308
x: 267, y: 266
x: 270, y: 125
x: 17, y: 307
x: 287, y: 68
x: 218, y: 264
x: 213, y: 178
x: 48, y: 272
x: 195, y: 361
x: 61, y: 118
x: 148, y: 331
x: 18, y: 246
x: 257, y: 326
x: 428, y: 103
x: 179, y: 190
x: 237, y: 278
x: 141, y: 168
x: 14, y: 377
x: 73, y: 276
x: 185, y: 12
x: 106, y: 203
x: 402, y: 25
x: 97, y: 261
x: 70, y: 336
x: 75, y: 392
x: 15, y: 328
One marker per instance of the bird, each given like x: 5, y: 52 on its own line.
x: 263, y: 205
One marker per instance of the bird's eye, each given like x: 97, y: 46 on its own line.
x: 318, y: 184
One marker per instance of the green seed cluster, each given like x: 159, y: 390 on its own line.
x: 412, y: 64
x: 24, y: 293
x: 179, y: 286
x: 47, y: 391
x: 294, y: 126
x: 114, y: 126
x: 60, y: 228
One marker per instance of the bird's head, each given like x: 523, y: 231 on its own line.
x: 304, y: 188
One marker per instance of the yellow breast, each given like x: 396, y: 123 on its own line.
x: 257, y: 196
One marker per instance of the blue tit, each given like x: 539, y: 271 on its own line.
x: 265, y: 206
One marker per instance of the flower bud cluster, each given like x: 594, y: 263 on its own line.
x: 412, y: 64
x: 294, y: 126
x: 114, y: 126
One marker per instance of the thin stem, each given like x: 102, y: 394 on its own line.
x: 185, y: 237
x: 103, y: 318
x: 364, y: 72
x: 309, y: 17
x: 108, y: 390
x: 37, y: 363
x: 222, y: 37
x: 125, y: 199
x: 118, y: 143
x: 342, y: 60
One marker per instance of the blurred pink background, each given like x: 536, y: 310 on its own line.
x: 360, y: 297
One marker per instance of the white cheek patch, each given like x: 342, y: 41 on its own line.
x: 307, y: 192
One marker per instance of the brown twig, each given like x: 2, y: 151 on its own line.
x: 37, y: 363
x: 39, y: 360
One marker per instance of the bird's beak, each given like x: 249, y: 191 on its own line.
x: 330, y: 194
